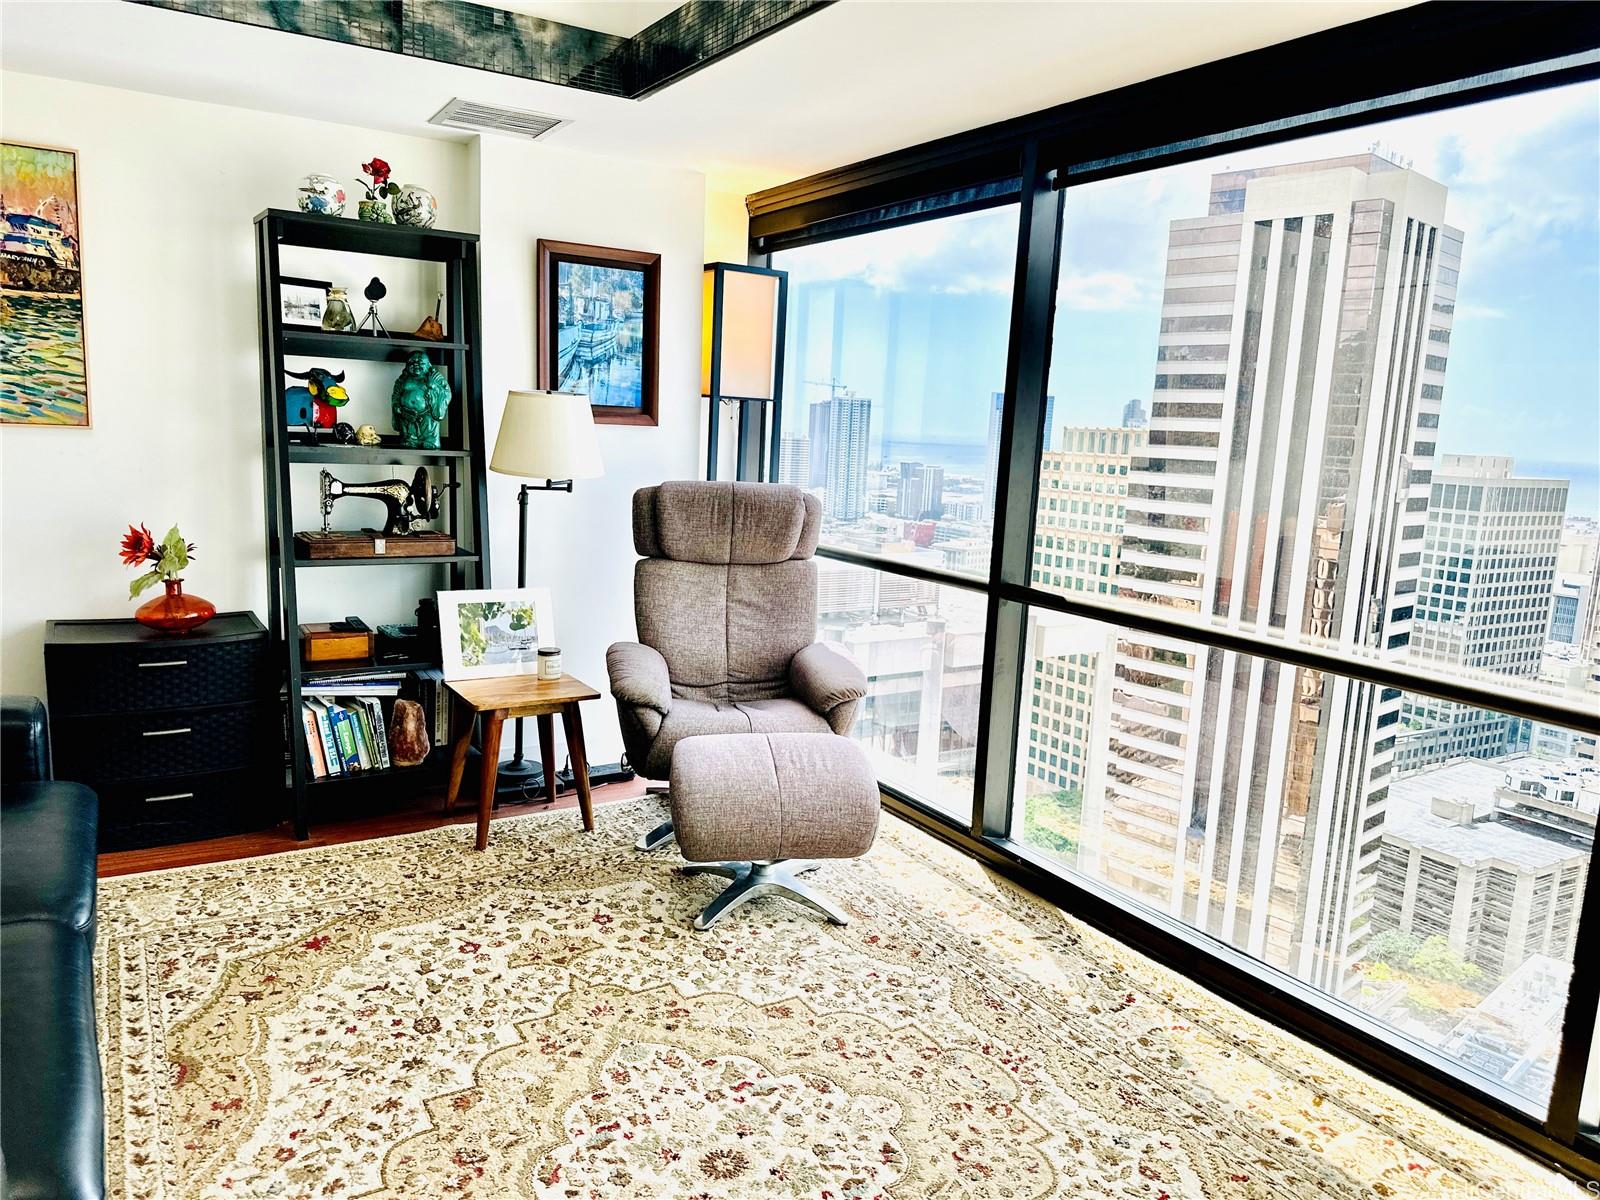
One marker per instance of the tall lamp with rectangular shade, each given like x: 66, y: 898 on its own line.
x: 741, y: 361
x: 548, y: 436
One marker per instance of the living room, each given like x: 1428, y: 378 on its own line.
x: 978, y: 772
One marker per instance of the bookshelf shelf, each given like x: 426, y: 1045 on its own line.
x: 462, y: 513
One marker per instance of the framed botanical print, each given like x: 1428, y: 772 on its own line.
x: 488, y: 632
x: 44, y: 377
x: 599, y: 328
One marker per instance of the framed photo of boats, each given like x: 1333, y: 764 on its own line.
x: 599, y: 326
x: 44, y: 378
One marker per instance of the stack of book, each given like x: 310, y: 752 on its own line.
x: 346, y: 729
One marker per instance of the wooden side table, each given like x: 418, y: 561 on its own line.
x: 500, y: 700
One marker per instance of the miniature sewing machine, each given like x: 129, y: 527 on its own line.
x: 409, y: 504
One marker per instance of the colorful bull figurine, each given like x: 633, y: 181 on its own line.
x: 315, y: 405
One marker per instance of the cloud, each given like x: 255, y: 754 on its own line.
x: 1101, y: 291
x: 1479, y: 312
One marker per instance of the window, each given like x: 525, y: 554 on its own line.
x: 921, y: 647
x: 894, y: 376
x: 1335, y: 832
x: 1296, y: 641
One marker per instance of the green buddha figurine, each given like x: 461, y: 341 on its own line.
x: 420, y: 399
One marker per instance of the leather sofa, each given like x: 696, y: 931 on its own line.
x: 52, y: 1111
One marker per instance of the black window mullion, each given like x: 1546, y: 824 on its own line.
x: 1022, y: 437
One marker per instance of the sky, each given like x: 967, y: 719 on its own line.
x: 926, y: 307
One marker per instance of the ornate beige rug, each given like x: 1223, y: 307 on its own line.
x: 407, y: 1018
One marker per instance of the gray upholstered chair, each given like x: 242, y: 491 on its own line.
x: 725, y: 600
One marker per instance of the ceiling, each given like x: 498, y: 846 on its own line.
x: 859, y: 78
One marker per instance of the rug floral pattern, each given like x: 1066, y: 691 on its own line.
x: 405, y: 1018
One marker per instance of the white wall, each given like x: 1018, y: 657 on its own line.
x: 581, y: 545
x: 168, y: 189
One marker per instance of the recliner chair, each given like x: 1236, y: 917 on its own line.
x: 725, y: 600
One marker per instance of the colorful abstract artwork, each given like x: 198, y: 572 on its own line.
x: 43, y: 378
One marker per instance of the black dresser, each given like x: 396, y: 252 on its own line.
x: 179, y: 735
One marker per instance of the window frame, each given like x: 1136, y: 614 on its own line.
x: 1434, y: 56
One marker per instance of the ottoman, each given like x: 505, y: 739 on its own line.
x: 760, y: 808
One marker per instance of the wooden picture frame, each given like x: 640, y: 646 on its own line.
x: 44, y: 370
x: 590, y: 339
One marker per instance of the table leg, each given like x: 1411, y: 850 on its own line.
x: 458, y: 755
x: 572, y: 722
x: 492, y: 721
x: 547, y: 754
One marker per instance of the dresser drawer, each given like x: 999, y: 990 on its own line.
x: 142, y: 745
x: 173, y: 673
x: 184, y: 808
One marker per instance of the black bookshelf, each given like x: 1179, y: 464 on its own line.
x: 459, y: 461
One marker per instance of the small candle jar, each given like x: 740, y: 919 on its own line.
x: 549, y: 662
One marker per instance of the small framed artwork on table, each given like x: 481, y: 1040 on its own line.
x: 599, y: 324
x: 488, y: 632
x: 301, y: 302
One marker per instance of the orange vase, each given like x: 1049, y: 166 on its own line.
x: 175, y: 612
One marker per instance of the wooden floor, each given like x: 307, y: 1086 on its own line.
x: 427, y: 812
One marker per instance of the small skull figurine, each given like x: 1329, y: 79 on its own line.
x: 368, y: 436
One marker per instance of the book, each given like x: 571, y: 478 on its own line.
x: 344, y: 735
x: 354, y: 687
x: 313, y: 736
x: 380, y: 730
x: 361, y: 734
x: 330, y: 744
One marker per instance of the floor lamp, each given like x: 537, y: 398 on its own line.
x: 547, y: 436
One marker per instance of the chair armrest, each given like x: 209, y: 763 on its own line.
x: 639, y: 676
x: 24, y: 739
x: 824, y: 679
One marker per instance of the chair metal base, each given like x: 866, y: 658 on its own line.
x: 658, y: 836
x: 753, y: 879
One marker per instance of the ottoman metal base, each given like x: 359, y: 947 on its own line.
x: 752, y: 879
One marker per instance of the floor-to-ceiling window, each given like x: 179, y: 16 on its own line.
x: 1278, y: 630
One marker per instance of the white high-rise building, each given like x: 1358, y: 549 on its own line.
x: 1303, y: 343
x: 849, y: 423
x: 794, y: 460
x: 1484, y: 599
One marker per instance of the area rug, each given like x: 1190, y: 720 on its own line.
x: 404, y: 1017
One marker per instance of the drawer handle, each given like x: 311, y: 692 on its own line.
x: 168, y: 662
x: 166, y: 732
x: 174, y: 796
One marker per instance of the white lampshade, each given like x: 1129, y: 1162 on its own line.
x: 547, y: 435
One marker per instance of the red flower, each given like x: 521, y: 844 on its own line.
x: 138, y: 546
x: 378, y: 169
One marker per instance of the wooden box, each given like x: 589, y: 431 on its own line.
x: 344, y: 544
x: 323, y: 641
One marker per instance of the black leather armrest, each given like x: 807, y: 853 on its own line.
x: 24, y: 739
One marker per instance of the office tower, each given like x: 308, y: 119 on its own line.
x: 817, y: 445
x: 1133, y: 414
x: 1049, y: 423
x: 920, y: 491
x: 1077, y: 544
x: 1577, y: 564
x: 1484, y: 599
x: 849, y: 421
x: 1298, y: 381
x: 794, y: 460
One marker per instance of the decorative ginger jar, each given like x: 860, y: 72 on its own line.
x: 322, y: 195
x: 415, y: 206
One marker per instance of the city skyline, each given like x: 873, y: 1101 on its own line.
x: 1529, y: 284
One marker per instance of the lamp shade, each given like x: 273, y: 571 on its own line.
x: 739, y: 337
x: 547, y: 435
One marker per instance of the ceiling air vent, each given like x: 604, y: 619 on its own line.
x: 494, y: 118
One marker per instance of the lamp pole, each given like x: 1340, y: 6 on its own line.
x: 519, y: 773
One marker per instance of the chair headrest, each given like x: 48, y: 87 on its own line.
x: 743, y: 523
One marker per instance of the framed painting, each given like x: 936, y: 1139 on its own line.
x: 44, y: 378
x: 488, y: 632
x: 599, y: 325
